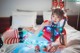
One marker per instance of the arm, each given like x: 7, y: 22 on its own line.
x: 56, y: 45
x: 41, y: 27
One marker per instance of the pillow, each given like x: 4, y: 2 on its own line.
x: 23, y: 19
x: 47, y: 15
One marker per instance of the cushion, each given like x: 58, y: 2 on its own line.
x: 23, y: 19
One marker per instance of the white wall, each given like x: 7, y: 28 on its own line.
x: 0, y: 6
x: 8, y: 6
x: 73, y: 7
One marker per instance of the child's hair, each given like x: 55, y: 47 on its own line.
x: 58, y: 12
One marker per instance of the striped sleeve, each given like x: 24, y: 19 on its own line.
x: 11, y: 40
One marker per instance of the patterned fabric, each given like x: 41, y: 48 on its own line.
x: 11, y: 36
x: 11, y: 40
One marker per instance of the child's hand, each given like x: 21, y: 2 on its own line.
x: 52, y: 49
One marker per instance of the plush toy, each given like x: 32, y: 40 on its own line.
x: 37, y: 48
x: 20, y: 34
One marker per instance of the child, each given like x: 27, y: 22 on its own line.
x: 58, y: 20
x: 57, y: 23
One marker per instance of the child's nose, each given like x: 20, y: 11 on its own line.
x: 55, y: 19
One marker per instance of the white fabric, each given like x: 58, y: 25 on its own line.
x: 72, y: 49
x: 72, y: 34
x: 23, y: 19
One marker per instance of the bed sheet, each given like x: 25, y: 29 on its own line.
x: 72, y: 34
x: 21, y: 48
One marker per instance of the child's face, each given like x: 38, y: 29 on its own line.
x: 55, y: 19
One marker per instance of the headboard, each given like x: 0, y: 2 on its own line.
x: 72, y: 21
x: 5, y: 23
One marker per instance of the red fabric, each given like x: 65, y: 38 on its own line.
x: 45, y: 21
x: 61, y: 4
x: 11, y: 36
x: 37, y: 47
x: 64, y: 32
x: 11, y: 40
x: 46, y: 35
x: 55, y: 3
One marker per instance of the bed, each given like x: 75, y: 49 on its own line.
x: 18, y: 21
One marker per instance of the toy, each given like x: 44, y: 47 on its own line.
x: 37, y: 48
x: 20, y: 34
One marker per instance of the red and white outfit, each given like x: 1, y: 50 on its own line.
x: 11, y: 36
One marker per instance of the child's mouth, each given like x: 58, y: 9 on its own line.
x: 54, y: 21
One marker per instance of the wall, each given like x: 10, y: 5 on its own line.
x: 8, y: 6
x: 73, y: 7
